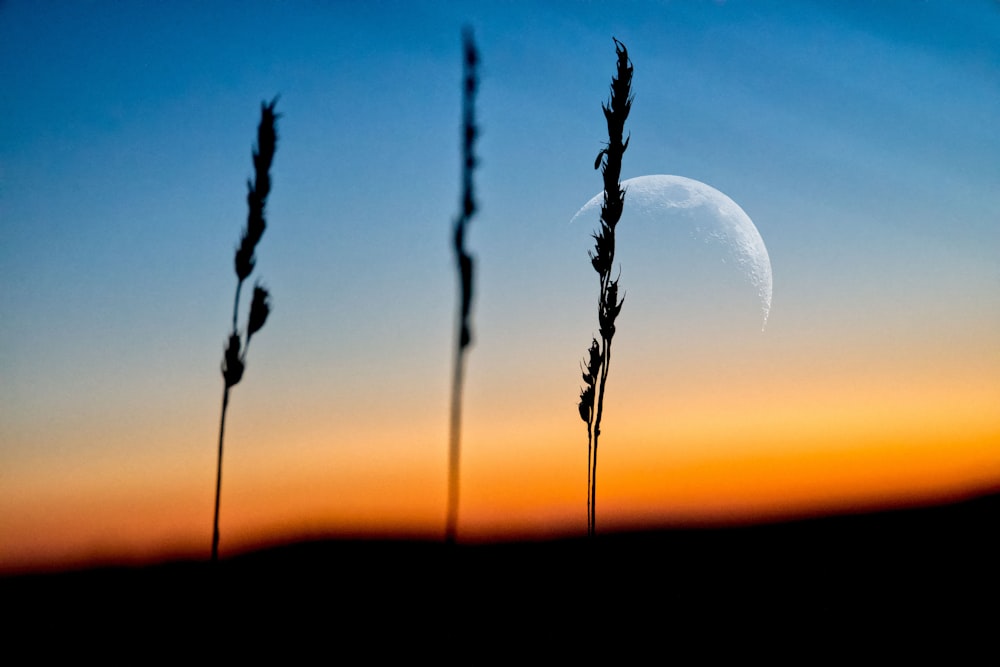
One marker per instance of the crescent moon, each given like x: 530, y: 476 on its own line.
x: 662, y: 194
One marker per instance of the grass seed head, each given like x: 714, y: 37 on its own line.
x: 595, y: 358
x: 244, y: 260
x: 232, y: 363
x: 260, y: 307
x: 263, y: 154
x: 586, y: 403
x: 258, y: 190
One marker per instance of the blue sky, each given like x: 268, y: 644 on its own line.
x: 860, y: 137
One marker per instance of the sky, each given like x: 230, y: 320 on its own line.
x: 860, y: 138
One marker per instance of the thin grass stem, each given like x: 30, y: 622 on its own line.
x: 454, y: 450
x: 218, y: 476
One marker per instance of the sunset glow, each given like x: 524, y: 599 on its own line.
x: 856, y: 138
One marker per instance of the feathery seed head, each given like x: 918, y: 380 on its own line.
x: 244, y: 260
x: 255, y: 220
x: 593, y: 367
x: 469, y: 45
x: 600, y: 156
x: 586, y: 403
x: 232, y: 364
x: 598, y: 258
x: 257, y: 190
x: 595, y: 357
x: 621, y: 83
x: 262, y: 184
x: 596, y: 263
x: 612, y: 211
x: 260, y: 308
x: 614, y: 310
x: 267, y: 138
x: 606, y: 324
x: 603, y: 254
x: 611, y: 297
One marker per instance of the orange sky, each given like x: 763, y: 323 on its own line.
x: 714, y: 453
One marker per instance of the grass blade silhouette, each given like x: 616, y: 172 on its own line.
x: 234, y: 359
x: 602, y: 258
x: 464, y: 267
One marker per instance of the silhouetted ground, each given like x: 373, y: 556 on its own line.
x: 833, y: 580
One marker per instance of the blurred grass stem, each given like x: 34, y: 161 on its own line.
x: 464, y: 267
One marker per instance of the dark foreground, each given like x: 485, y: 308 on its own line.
x: 833, y: 579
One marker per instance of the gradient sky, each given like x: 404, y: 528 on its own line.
x: 861, y: 138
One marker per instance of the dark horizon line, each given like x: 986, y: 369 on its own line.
x: 984, y: 500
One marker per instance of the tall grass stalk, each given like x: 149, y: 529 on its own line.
x: 464, y: 267
x: 234, y: 359
x: 602, y: 258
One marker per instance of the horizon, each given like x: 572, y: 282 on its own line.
x: 856, y: 138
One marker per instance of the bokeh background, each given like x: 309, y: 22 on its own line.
x: 861, y: 138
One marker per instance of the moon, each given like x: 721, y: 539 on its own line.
x: 701, y: 224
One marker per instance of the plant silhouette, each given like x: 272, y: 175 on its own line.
x: 234, y: 360
x: 467, y: 209
x: 602, y: 258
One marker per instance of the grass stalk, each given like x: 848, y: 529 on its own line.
x: 464, y: 266
x: 218, y: 475
x: 602, y: 258
x: 234, y: 359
